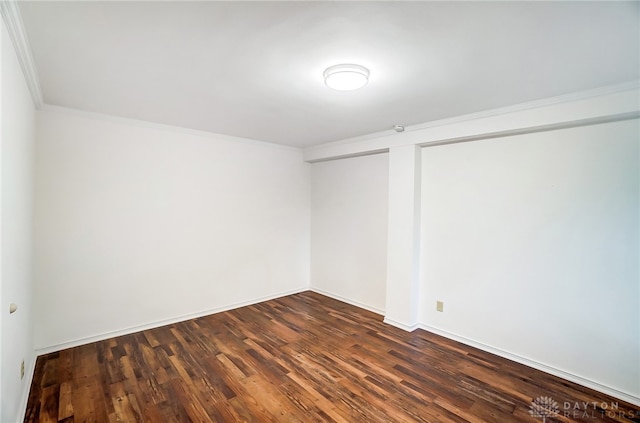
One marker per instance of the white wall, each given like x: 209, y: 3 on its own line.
x: 532, y: 242
x: 403, y: 237
x: 16, y: 191
x: 349, y: 229
x: 584, y: 111
x: 137, y: 225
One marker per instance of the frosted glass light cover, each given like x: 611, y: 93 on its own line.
x: 346, y: 77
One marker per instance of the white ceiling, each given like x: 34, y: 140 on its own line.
x: 254, y: 69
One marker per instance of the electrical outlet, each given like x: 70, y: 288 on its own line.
x: 22, y: 370
x: 439, y: 306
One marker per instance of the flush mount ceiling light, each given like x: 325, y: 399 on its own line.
x: 346, y: 77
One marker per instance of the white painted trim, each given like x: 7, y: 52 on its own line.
x: 348, y: 156
x: 162, y: 127
x: 347, y: 300
x: 536, y: 365
x: 153, y: 325
x: 533, y: 129
x: 501, y: 353
x: 406, y: 328
x: 567, y: 98
x: 29, y: 373
x: 536, y: 104
x: 13, y: 21
x: 581, y: 108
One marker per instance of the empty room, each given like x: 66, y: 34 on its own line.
x: 307, y: 211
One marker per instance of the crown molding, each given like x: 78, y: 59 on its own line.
x: 535, y: 104
x: 13, y: 21
x: 520, y: 107
x: 610, y: 103
x: 49, y: 108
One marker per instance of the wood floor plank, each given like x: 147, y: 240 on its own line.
x: 49, y: 409
x: 65, y: 404
x: 300, y: 358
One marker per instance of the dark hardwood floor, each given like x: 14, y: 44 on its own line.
x: 301, y: 358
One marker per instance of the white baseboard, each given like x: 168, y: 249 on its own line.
x: 26, y: 388
x: 403, y: 326
x: 138, y: 328
x: 505, y: 354
x: 347, y: 300
x: 632, y: 399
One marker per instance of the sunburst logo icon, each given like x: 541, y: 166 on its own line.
x: 544, y: 407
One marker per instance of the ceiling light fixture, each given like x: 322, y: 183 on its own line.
x: 346, y: 77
